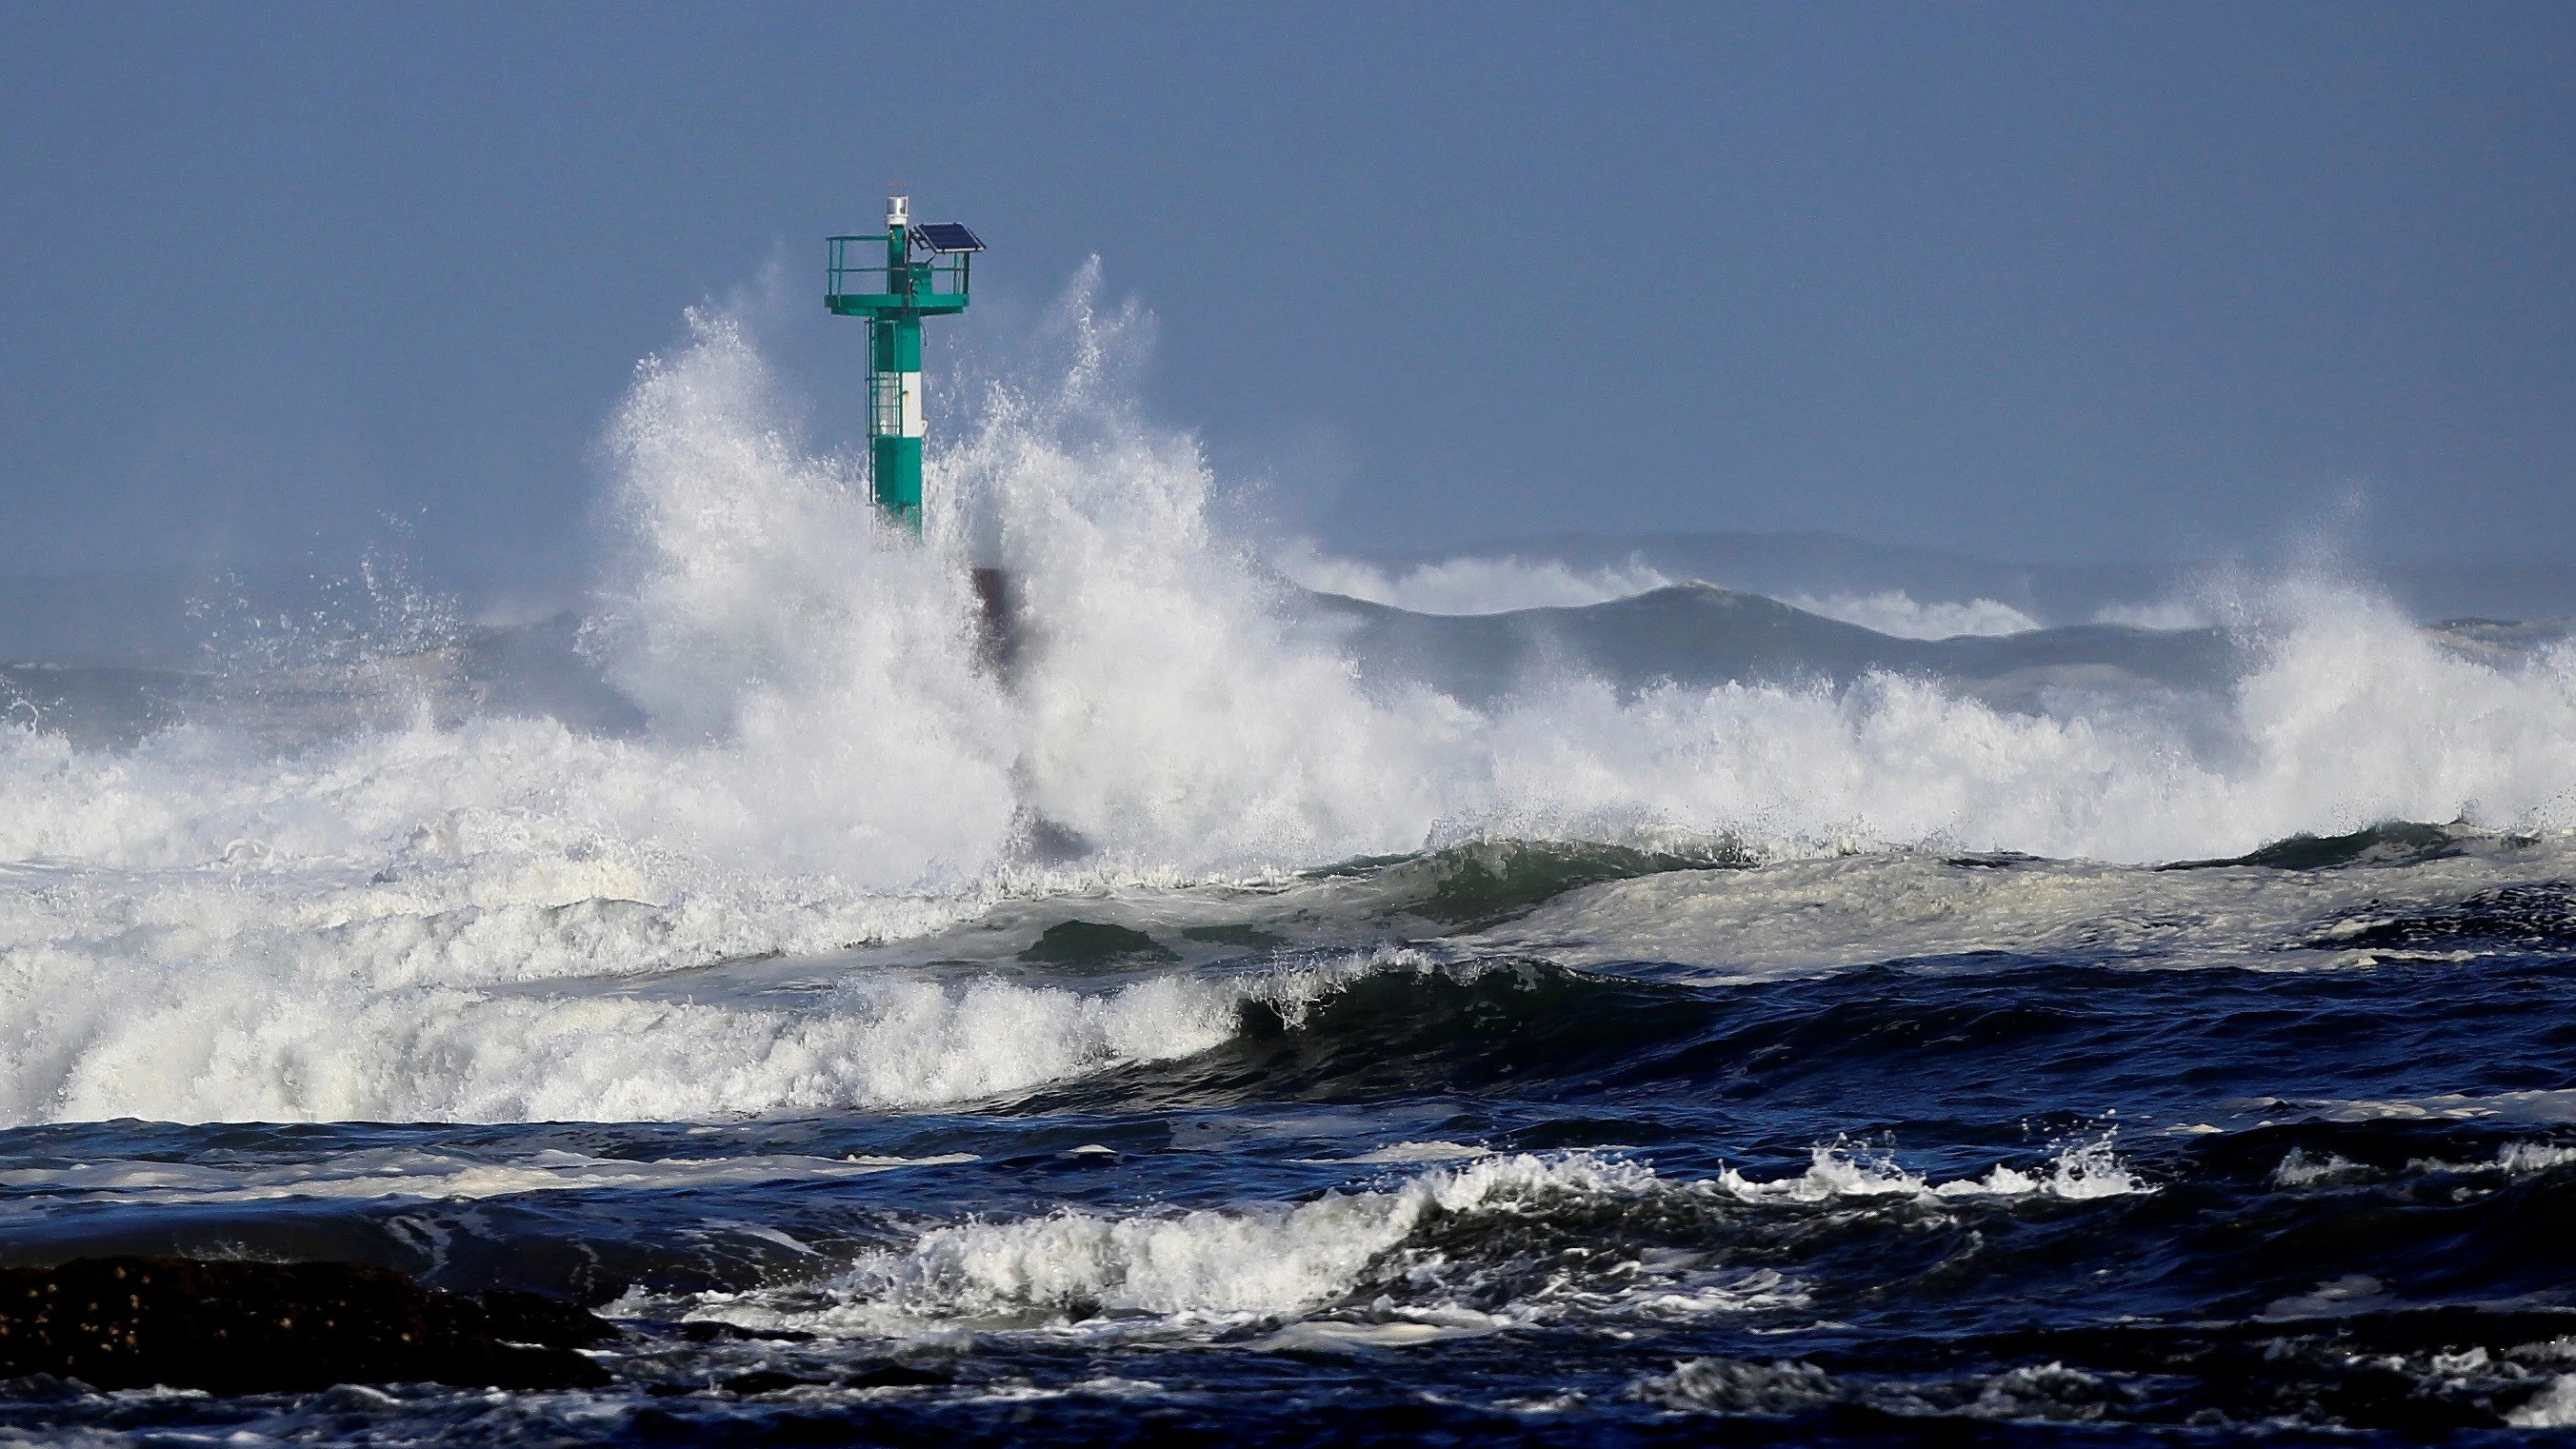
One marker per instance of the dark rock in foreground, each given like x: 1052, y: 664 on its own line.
x: 235, y: 1327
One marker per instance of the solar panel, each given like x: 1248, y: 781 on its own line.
x: 946, y: 236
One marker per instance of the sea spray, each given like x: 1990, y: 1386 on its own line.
x: 215, y: 923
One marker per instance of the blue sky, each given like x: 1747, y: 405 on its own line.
x: 2040, y: 282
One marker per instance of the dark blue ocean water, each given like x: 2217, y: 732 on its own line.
x: 2307, y: 1179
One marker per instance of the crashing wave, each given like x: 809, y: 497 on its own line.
x: 225, y: 917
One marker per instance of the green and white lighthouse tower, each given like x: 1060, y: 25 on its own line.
x: 893, y: 296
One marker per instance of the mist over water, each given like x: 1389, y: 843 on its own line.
x: 807, y: 959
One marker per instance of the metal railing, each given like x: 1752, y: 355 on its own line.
x: 941, y: 276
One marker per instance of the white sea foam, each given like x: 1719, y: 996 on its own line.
x: 1892, y: 611
x: 212, y: 925
x: 2082, y: 1170
x: 355, y: 1023
x: 2553, y: 1407
x: 1157, y: 1273
x: 288, y: 1045
x: 1080, y: 1271
x: 1209, y: 1263
x: 2514, y: 1159
x: 2522, y: 1157
x: 409, y: 1173
x: 1801, y: 917
x: 2300, y: 1170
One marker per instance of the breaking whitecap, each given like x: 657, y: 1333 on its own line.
x: 1406, y: 1253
